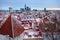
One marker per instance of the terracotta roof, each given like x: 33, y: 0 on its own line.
x: 11, y: 27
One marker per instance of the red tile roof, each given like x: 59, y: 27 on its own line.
x: 11, y: 28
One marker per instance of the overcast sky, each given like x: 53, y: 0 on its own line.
x: 17, y: 4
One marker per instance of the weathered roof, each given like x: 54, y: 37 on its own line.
x: 11, y: 27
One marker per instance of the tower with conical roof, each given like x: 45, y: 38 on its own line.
x: 10, y: 9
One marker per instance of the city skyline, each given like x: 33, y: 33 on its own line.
x: 33, y: 4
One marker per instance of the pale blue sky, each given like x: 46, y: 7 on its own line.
x: 17, y: 4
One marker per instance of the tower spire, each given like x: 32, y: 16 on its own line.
x: 25, y: 7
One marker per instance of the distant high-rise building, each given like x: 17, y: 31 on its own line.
x: 22, y: 9
x: 35, y: 10
x: 44, y: 9
x: 27, y: 8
